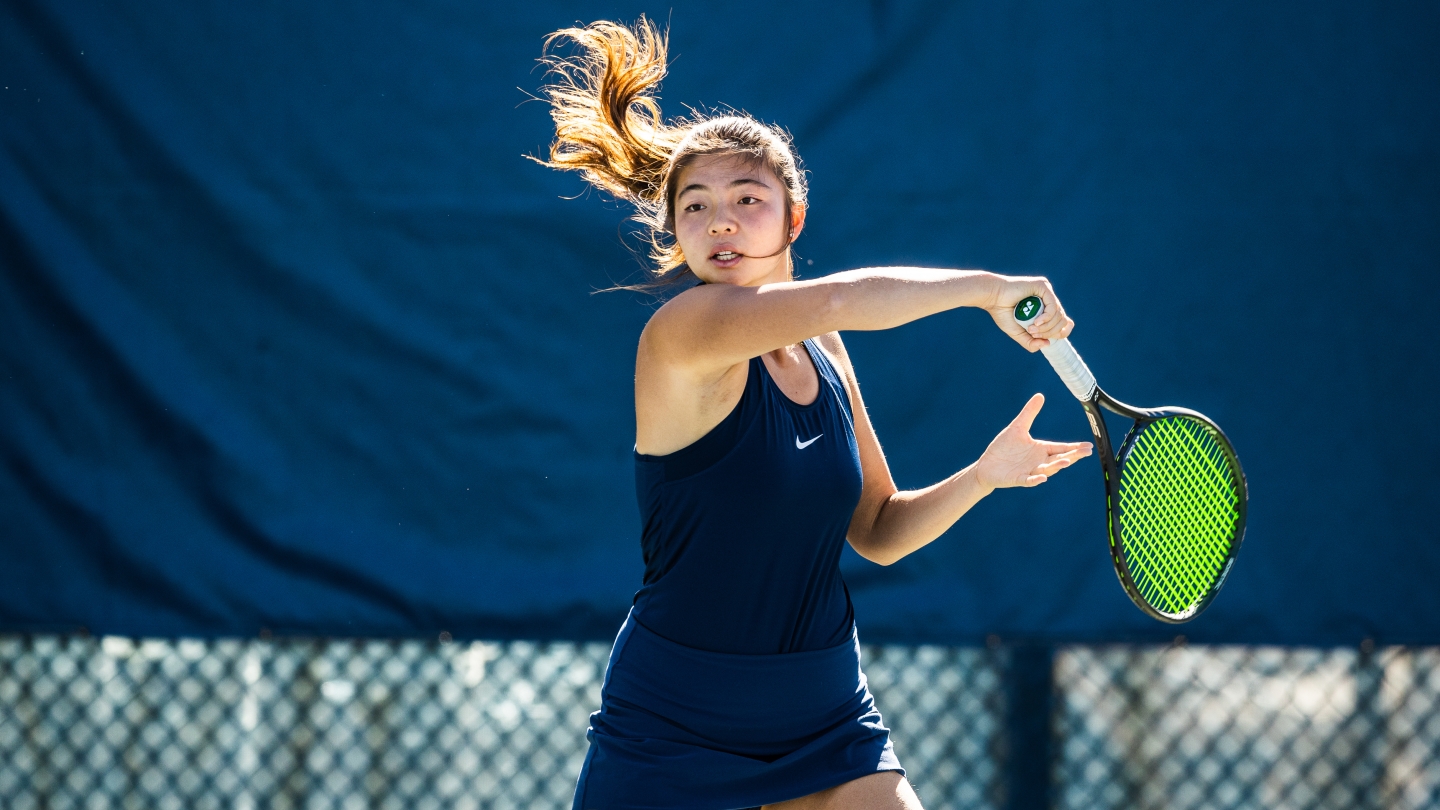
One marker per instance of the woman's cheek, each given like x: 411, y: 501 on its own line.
x: 685, y: 235
x: 762, y: 221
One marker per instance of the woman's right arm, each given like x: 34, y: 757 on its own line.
x: 710, y: 328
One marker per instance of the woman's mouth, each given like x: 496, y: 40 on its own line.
x: 726, y: 258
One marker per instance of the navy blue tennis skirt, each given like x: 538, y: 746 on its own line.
x: 685, y: 728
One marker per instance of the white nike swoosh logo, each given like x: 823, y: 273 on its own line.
x: 802, y: 445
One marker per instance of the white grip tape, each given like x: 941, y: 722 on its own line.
x: 1071, y: 368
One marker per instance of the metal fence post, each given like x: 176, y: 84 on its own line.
x: 1029, y: 689
x: 1365, y: 735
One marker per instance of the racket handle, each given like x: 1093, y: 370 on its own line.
x: 1062, y: 356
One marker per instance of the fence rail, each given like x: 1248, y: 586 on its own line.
x: 120, y: 723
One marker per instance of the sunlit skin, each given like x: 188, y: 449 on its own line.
x: 694, y: 354
x: 727, y: 203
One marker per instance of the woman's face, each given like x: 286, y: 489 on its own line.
x: 730, y: 218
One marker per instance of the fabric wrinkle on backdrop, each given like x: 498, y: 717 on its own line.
x: 293, y: 338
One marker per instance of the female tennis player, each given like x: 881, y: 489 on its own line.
x: 735, y: 681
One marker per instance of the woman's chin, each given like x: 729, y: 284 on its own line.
x: 745, y: 272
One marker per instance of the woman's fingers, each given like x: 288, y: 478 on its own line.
x: 1049, y: 302
x: 1054, y: 465
x: 1056, y: 327
x: 1055, y: 460
x: 1026, y: 417
x: 1014, y: 459
x: 1052, y: 323
x: 1064, y: 447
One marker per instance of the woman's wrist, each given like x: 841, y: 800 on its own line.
x: 996, y: 290
x: 978, y: 481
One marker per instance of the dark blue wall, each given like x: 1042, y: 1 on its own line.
x: 292, y: 337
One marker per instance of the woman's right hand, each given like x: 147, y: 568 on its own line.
x: 1052, y: 324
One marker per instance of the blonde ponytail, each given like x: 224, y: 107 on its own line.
x: 608, y: 124
x: 608, y: 127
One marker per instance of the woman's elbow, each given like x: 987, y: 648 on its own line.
x: 873, y: 552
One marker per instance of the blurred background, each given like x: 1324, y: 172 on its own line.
x: 315, y: 434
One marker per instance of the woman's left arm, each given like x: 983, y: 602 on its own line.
x: 889, y: 524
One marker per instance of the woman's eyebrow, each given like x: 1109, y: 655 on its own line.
x: 733, y: 183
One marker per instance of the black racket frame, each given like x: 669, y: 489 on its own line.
x: 1112, y: 462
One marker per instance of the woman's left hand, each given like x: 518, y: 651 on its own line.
x: 1014, y: 459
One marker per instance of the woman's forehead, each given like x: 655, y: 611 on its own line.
x: 721, y: 171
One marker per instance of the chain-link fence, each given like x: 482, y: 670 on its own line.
x: 1243, y: 727
x: 115, y: 723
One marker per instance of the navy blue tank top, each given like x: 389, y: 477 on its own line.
x: 742, y: 530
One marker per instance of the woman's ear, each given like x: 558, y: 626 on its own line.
x: 797, y: 221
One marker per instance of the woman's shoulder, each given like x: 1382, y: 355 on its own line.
x: 674, y: 314
x: 834, y: 349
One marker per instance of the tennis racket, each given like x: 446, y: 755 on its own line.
x: 1175, y: 495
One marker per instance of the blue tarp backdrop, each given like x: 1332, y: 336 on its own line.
x: 292, y: 336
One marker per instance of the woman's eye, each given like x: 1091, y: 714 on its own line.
x: 695, y: 207
x: 748, y: 200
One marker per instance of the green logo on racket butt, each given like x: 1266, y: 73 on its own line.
x: 1028, y: 310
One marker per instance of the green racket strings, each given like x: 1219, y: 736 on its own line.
x: 1179, y: 507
